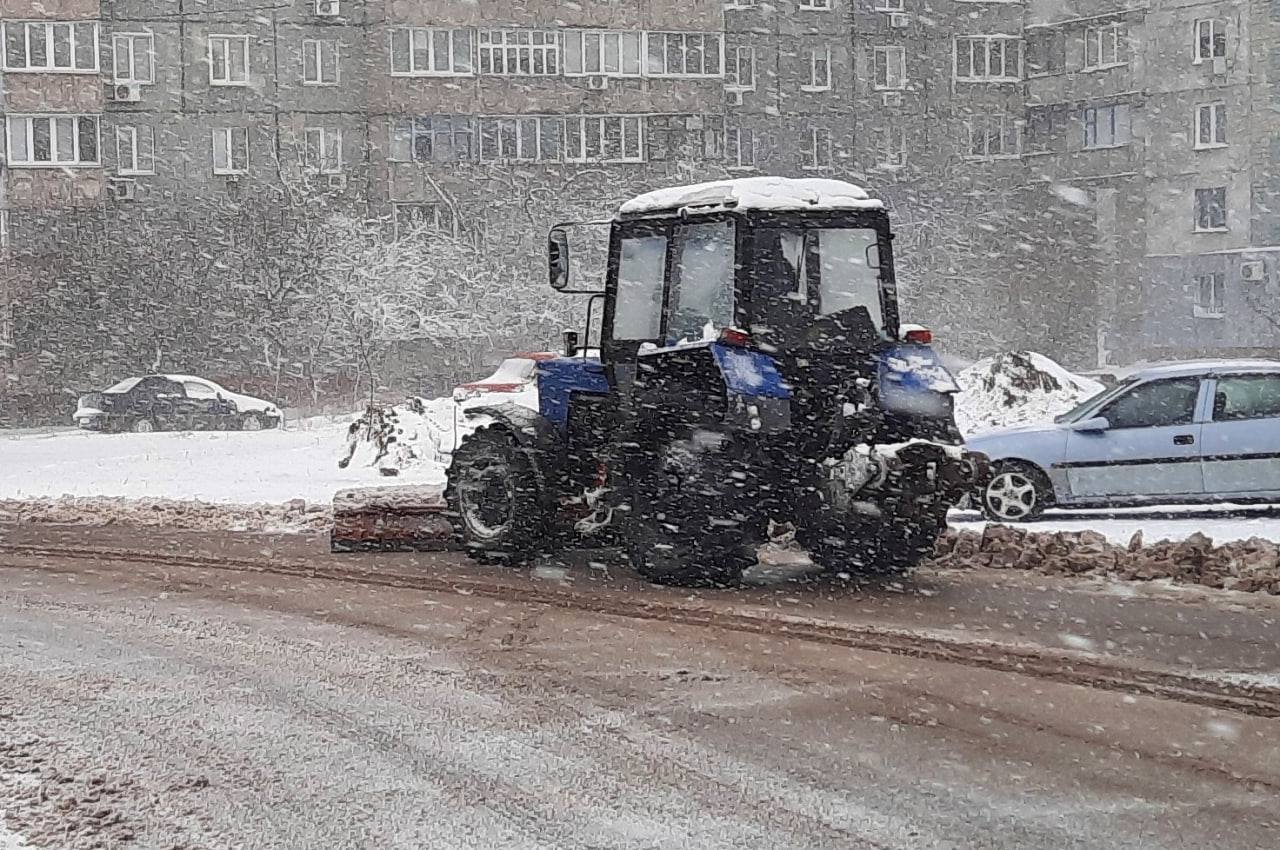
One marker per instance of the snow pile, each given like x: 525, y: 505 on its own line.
x: 1017, y: 388
x: 295, y: 516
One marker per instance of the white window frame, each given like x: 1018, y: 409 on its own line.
x: 1112, y: 112
x: 509, y: 51
x: 228, y: 133
x: 413, y: 34
x: 1215, y: 25
x: 602, y: 39
x: 14, y: 121
x: 1215, y: 307
x: 891, y: 6
x: 1009, y: 129
x: 890, y: 146
x: 814, y: 146
x: 327, y: 138
x: 738, y: 57
x: 315, y: 49
x: 818, y: 55
x: 1217, y: 119
x: 901, y: 66
x: 734, y: 160
x: 129, y: 41
x: 651, y: 38
x: 4, y: 229
x: 1009, y: 42
x: 814, y: 5
x: 332, y: 8
x: 50, y: 29
x: 520, y: 127
x: 741, y: 4
x: 1195, y: 204
x: 136, y: 164
x: 596, y: 124
x: 1099, y: 38
x: 228, y: 41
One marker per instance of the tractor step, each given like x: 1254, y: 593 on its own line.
x: 405, y: 518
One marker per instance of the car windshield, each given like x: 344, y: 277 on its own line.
x: 1093, y: 402
x: 123, y: 386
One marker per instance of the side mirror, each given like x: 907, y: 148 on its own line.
x: 570, y: 343
x: 558, y: 258
x: 1097, y: 424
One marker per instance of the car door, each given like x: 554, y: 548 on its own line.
x: 207, y: 410
x: 171, y: 408
x: 1151, y: 446
x: 1241, y: 442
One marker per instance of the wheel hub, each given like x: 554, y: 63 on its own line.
x: 1011, y: 495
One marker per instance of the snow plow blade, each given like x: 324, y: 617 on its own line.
x: 378, y: 519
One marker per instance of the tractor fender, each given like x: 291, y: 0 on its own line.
x: 536, y: 436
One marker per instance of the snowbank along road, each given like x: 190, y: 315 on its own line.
x: 153, y: 704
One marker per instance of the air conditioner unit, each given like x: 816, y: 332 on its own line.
x: 327, y: 8
x: 1219, y: 65
x: 337, y: 182
x: 890, y: 98
x: 597, y: 82
x: 1254, y: 270
x: 123, y: 190
x: 733, y: 97
x: 124, y: 92
x: 898, y: 20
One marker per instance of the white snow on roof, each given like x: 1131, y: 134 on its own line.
x: 757, y: 193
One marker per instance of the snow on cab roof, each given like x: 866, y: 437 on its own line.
x: 757, y: 193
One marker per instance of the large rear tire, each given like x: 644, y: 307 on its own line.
x: 885, y: 547
x: 493, y: 498
x: 681, y: 529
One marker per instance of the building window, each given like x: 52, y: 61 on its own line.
x: 1046, y: 52
x: 819, y: 70
x: 683, y: 54
x: 739, y: 148
x: 1106, y: 126
x: 322, y: 151
x: 815, y: 5
x: 604, y: 138
x: 433, y: 138
x: 59, y: 140
x: 51, y: 46
x: 816, y: 151
x: 423, y: 52
x: 1105, y: 46
x: 4, y: 229
x: 1211, y: 125
x: 230, y: 150
x: 435, y: 217
x: 597, y: 52
x: 890, y: 67
x: 1211, y: 209
x: 520, y: 139
x: 135, y: 150
x: 524, y: 53
x: 1210, y: 296
x: 133, y: 58
x: 1210, y: 40
x: 7, y: 335
x: 740, y: 4
x: 1047, y: 129
x: 992, y: 137
x: 987, y: 58
x: 891, y: 5
x: 740, y: 69
x: 229, y: 60
x: 890, y: 147
x: 319, y: 62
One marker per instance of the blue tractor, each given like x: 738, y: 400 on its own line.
x: 750, y: 370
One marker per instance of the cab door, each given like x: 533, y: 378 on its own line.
x: 639, y: 259
x: 1150, y: 447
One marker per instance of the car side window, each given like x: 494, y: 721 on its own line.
x: 1247, y: 397
x: 1155, y: 404
x: 196, y: 389
x: 168, y: 389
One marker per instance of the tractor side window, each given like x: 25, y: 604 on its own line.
x: 638, y: 313
x: 702, y: 296
x: 850, y: 275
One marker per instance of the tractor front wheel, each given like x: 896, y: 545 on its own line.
x: 865, y: 547
x: 493, y: 498
x: 681, y: 528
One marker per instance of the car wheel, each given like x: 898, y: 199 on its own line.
x: 1015, y: 493
x: 251, y: 422
x: 142, y: 425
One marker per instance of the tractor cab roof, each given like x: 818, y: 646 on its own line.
x: 774, y: 194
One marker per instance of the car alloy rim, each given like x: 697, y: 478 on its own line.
x: 143, y: 426
x: 252, y: 423
x: 1011, y: 495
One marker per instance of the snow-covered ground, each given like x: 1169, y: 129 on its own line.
x: 221, y: 467
x: 1222, y: 523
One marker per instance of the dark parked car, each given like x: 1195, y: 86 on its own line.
x: 173, y: 403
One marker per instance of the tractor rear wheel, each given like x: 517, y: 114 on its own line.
x: 680, y: 529
x: 493, y: 498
